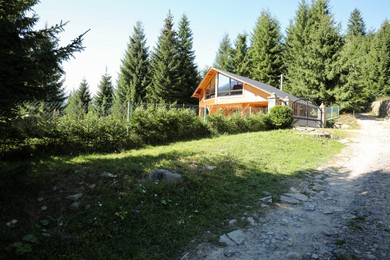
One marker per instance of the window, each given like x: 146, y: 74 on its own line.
x: 210, y: 90
x: 228, y: 86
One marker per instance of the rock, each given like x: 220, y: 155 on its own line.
x: 226, y: 240
x: 251, y: 221
x: 43, y: 208
x: 267, y: 199
x: 290, y: 200
x: 229, y: 253
x: 293, y: 255
x: 40, y: 199
x: 210, y: 167
x: 11, y: 223
x: 232, y: 222
x: 307, y: 206
x: 161, y: 174
x: 318, y: 187
x: 108, y: 174
x: 55, y: 188
x: 238, y: 236
x: 304, y: 187
x: 75, y: 197
x: 297, y: 196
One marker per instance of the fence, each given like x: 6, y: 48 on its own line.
x: 332, y: 112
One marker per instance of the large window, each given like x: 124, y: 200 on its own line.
x: 210, y: 90
x: 228, y: 86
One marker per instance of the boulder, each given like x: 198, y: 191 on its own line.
x: 162, y: 174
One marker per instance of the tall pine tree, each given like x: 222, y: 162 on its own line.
x: 134, y: 71
x: 223, y: 58
x: 240, y: 57
x: 188, y: 76
x: 379, y: 62
x: 266, y: 50
x: 104, y: 96
x: 164, y: 85
x: 319, y: 75
x: 296, y: 44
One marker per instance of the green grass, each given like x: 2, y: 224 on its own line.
x: 129, y: 217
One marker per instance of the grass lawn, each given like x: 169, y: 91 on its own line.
x: 122, y: 215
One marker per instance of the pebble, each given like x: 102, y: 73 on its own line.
x: 44, y: 208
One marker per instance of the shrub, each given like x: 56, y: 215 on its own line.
x: 281, y: 117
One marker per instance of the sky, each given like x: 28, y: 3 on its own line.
x: 111, y: 24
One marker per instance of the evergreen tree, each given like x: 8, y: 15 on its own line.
x: 379, y: 62
x: 134, y: 71
x: 296, y: 45
x: 29, y: 59
x: 104, y: 97
x: 240, y: 59
x: 188, y: 76
x: 320, y: 76
x: 350, y: 93
x: 356, y: 25
x: 164, y: 86
x: 266, y: 50
x: 223, y: 59
x: 79, y: 101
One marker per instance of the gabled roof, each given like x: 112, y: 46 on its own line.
x: 256, y: 84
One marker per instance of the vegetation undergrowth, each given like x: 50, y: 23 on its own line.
x: 122, y: 214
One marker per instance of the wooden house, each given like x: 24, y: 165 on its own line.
x: 220, y: 89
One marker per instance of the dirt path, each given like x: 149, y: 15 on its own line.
x: 342, y: 213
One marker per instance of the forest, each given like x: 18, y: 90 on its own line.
x: 317, y: 61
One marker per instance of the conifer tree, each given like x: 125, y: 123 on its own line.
x: 266, y: 50
x: 223, y: 58
x: 356, y: 25
x: 134, y: 71
x: 240, y: 59
x: 104, y: 97
x: 79, y: 101
x: 188, y: 76
x: 320, y: 76
x: 164, y: 85
x: 379, y: 62
x: 29, y: 58
x: 296, y: 44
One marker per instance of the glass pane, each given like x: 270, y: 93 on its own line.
x: 223, y: 85
x: 236, y: 87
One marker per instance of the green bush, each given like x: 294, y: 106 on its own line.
x: 281, y: 117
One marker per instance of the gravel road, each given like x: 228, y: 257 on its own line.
x: 341, y: 213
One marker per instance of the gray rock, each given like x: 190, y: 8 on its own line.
x: 226, y: 240
x: 75, y: 197
x: 251, y: 221
x: 162, y: 174
x: 232, y: 222
x: 238, y: 236
x: 267, y: 199
x: 44, y: 208
x: 229, y: 253
x: 210, y: 167
x: 293, y: 255
x: 108, y: 174
x: 304, y: 187
x: 289, y: 200
x: 307, y: 206
x: 297, y: 196
x: 75, y: 205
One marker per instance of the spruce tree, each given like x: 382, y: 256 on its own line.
x: 164, y: 85
x: 29, y: 59
x: 240, y: 59
x: 379, y: 62
x: 188, y: 76
x: 296, y: 44
x: 223, y: 58
x: 266, y: 50
x: 134, y: 71
x: 320, y: 76
x: 79, y: 101
x: 356, y: 25
x: 104, y: 97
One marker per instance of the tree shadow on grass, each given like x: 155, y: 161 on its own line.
x: 122, y: 213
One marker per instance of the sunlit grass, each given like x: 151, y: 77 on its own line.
x: 127, y: 216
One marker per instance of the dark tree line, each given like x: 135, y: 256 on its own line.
x: 317, y: 61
